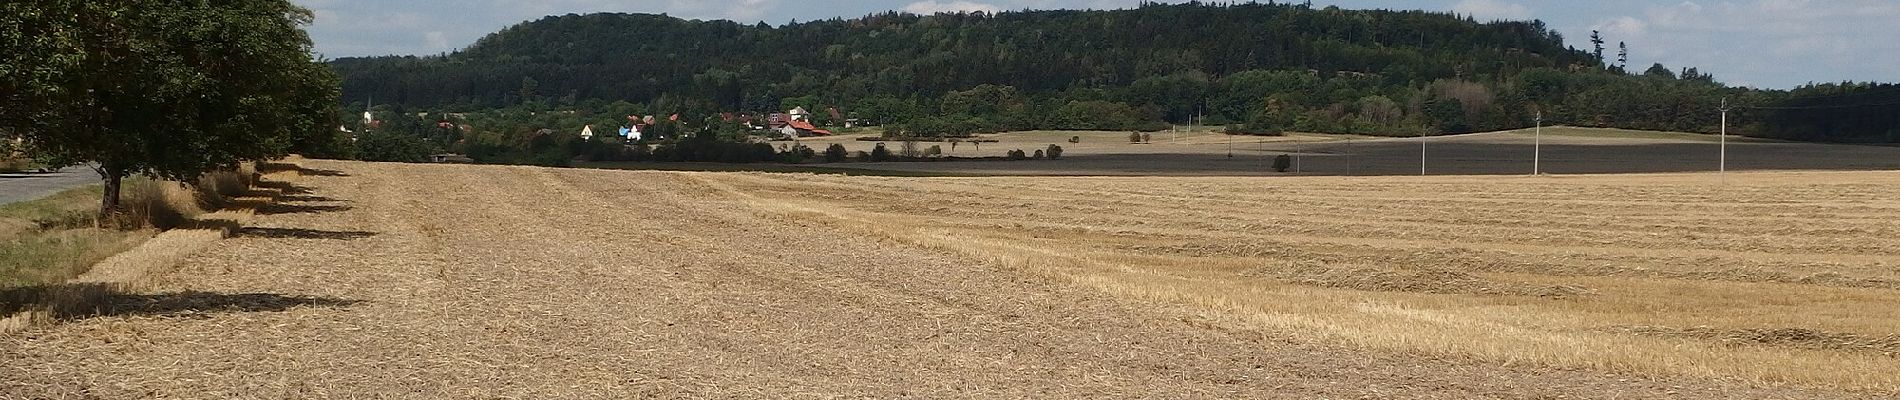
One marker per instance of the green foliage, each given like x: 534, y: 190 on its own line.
x: 1834, y: 112
x: 1282, y: 162
x: 1055, y: 152
x: 880, y: 153
x: 797, y: 154
x: 709, y: 146
x: 391, y: 147
x: 1266, y: 67
x: 836, y: 153
x: 161, y: 88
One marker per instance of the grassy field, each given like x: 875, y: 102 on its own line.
x: 391, y: 280
x: 55, y: 238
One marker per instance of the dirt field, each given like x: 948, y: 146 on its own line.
x: 1566, y: 150
x: 434, y: 281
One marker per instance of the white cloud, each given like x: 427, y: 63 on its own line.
x: 1491, y: 10
x: 1623, y: 27
x: 437, y: 40
x: 937, y: 7
x: 1774, y: 43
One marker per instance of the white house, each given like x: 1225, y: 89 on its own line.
x: 799, y: 114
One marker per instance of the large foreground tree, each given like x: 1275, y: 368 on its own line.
x: 167, y: 88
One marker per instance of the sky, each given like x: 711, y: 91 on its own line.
x: 1776, y: 44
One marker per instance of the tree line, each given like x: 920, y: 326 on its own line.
x: 1258, y: 67
x: 170, y: 89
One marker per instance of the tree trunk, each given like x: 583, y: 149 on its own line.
x: 109, y: 202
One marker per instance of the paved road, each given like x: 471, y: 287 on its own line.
x: 28, y: 186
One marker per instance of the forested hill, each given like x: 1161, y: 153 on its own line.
x: 1267, y: 66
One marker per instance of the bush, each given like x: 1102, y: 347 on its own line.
x: 216, y: 189
x: 880, y: 153
x: 1055, y: 152
x: 934, y: 150
x: 391, y: 147
x: 909, y: 149
x: 836, y: 153
x: 862, y: 156
x: 1075, y: 139
x: 1281, y: 163
x: 1147, y: 138
x: 1134, y: 137
x: 1038, y: 155
x: 151, y: 203
x: 1018, y: 154
x: 797, y: 154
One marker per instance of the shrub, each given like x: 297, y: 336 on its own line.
x: 1134, y: 137
x: 1038, y: 155
x: 1281, y: 163
x: 1055, y: 152
x: 1075, y: 139
x: 1018, y: 154
x: 216, y: 189
x: 934, y: 150
x: 909, y: 149
x: 836, y: 153
x: 151, y: 203
x: 1147, y: 138
x: 880, y: 153
x: 797, y: 154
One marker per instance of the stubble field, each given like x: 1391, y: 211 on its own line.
x: 422, y: 281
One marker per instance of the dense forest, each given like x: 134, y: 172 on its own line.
x: 1255, y: 67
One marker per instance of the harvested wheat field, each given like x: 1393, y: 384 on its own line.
x: 429, y: 281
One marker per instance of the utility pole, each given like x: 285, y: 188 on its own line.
x: 1349, y: 155
x: 1421, y: 153
x: 1537, y: 148
x: 1297, y: 150
x: 1724, y: 158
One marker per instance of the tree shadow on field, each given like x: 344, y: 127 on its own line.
x: 281, y: 208
x: 282, y: 189
x: 299, y: 233
x: 305, y: 198
x: 70, y: 301
x: 299, y: 169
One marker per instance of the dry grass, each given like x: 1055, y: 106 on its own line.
x: 61, y: 238
x: 432, y: 281
x: 1775, y: 278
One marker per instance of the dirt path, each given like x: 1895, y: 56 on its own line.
x: 422, y: 281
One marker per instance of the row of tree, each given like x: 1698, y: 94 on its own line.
x: 164, y: 88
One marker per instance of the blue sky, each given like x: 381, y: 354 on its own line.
x: 1762, y: 43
